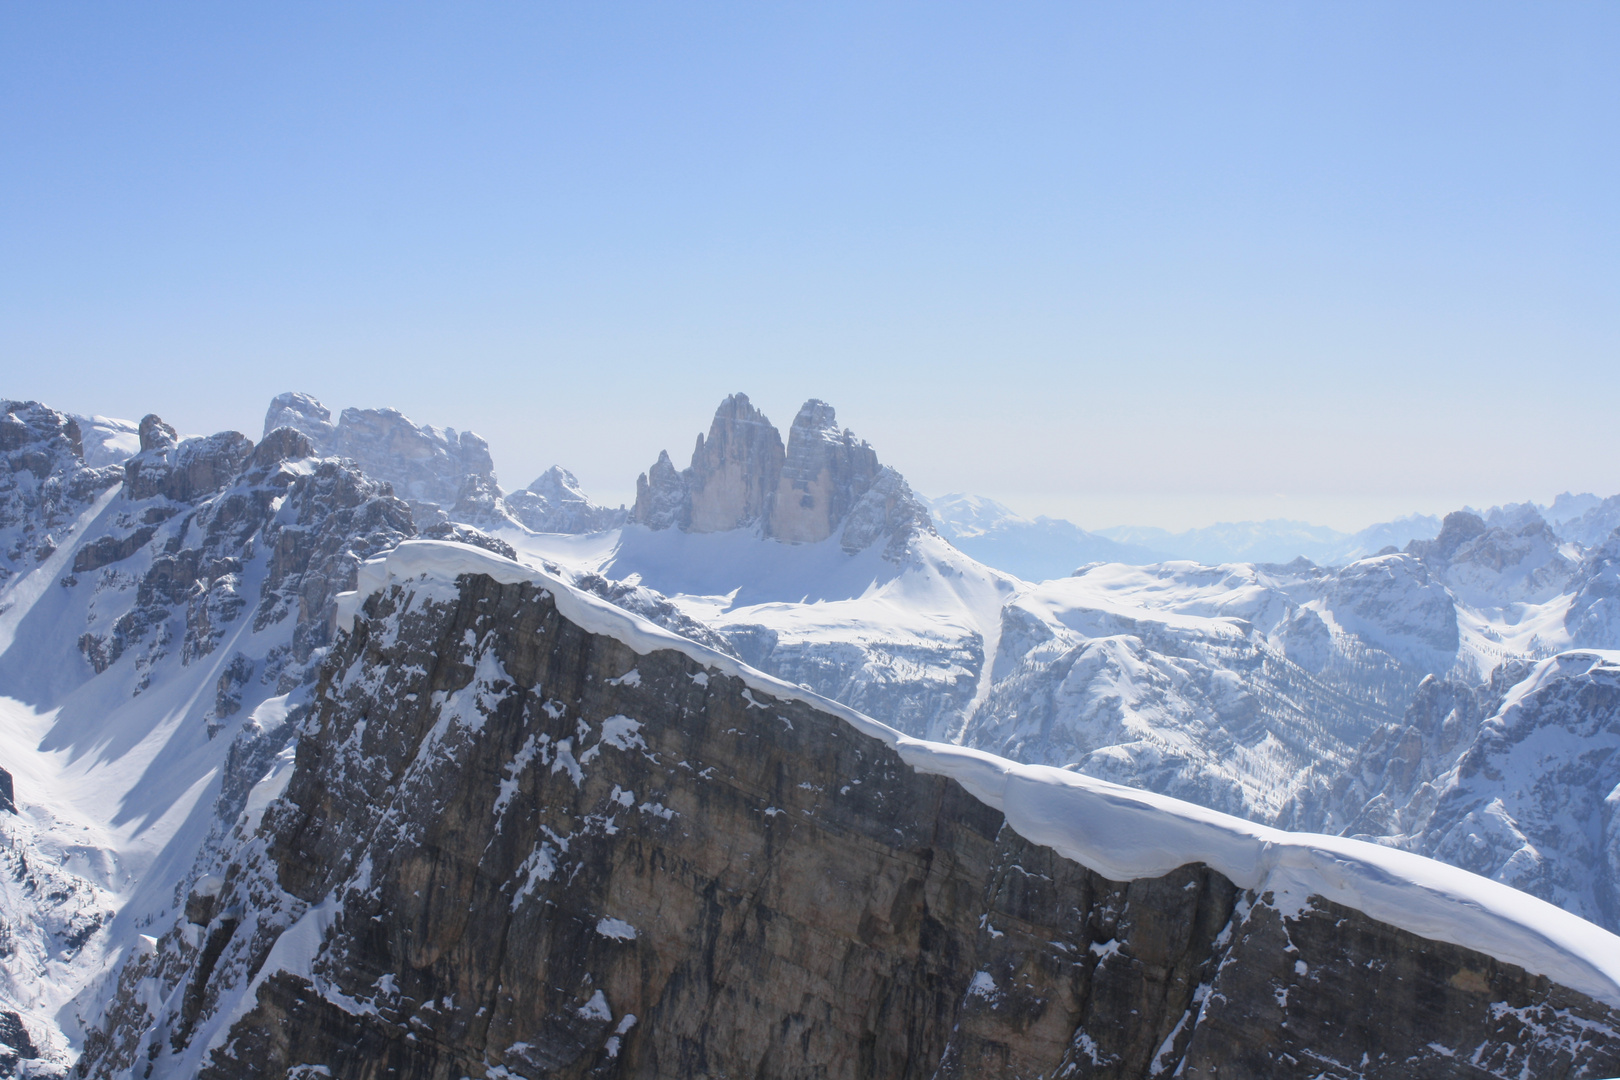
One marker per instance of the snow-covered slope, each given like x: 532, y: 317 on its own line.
x: 162, y: 612
x: 906, y: 641
x: 1215, y: 684
x: 1514, y: 780
x: 811, y: 560
x: 157, y: 623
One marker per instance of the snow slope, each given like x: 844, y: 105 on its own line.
x: 153, y: 628
x: 1120, y: 832
x: 911, y: 641
x: 1514, y: 780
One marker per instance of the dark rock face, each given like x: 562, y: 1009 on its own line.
x: 514, y: 848
x: 8, y: 795
x: 15, y: 1043
x: 825, y: 482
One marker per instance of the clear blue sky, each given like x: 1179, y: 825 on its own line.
x: 1158, y: 264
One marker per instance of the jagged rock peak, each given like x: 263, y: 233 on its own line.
x: 282, y: 444
x: 428, y: 466
x: 662, y: 499
x: 182, y: 471
x: 826, y: 471
x: 1457, y: 529
x: 155, y: 434
x: 732, y: 479
x: 558, y: 483
x: 824, y: 480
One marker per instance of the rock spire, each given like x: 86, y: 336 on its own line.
x: 824, y: 482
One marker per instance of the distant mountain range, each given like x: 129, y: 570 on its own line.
x: 1042, y: 548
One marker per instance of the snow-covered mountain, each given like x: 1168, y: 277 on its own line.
x: 1042, y: 548
x: 167, y: 608
x: 444, y: 475
x: 811, y: 560
x: 1277, y: 540
x: 159, y: 621
x: 1238, y: 687
x: 1513, y: 779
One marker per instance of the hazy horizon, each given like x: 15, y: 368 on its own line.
x: 1088, y: 514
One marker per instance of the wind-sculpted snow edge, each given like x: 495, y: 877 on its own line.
x: 1119, y: 832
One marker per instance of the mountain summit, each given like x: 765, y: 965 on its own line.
x: 824, y: 482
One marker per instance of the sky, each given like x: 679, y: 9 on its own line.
x: 1144, y: 264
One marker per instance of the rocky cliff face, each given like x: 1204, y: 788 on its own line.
x: 436, y: 470
x: 512, y: 847
x: 732, y: 473
x: 824, y: 482
x: 181, y: 591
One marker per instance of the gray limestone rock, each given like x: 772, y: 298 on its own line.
x: 825, y: 482
x: 183, y: 471
x: 733, y: 475
x: 662, y: 498
x: 424, y: 464
x: 825, y: 472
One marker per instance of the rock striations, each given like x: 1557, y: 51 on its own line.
x: 521, y: 842
x: 824, y: 482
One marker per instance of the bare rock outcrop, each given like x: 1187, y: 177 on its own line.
x: 824, y: 482
x: 732, y: 473
x: 428, y: 466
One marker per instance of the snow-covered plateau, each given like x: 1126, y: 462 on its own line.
x: 1429, y: 736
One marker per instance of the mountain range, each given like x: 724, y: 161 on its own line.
x: 325, y: 755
